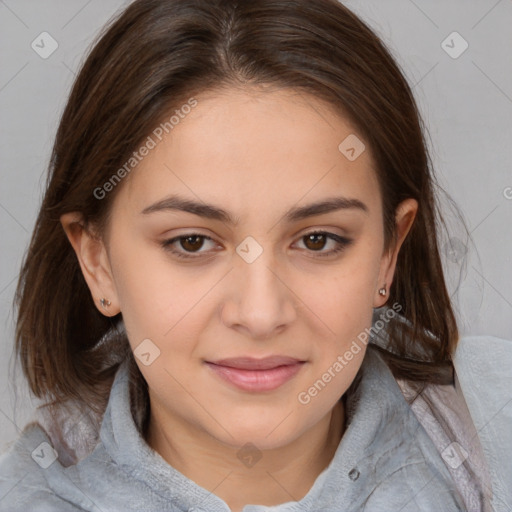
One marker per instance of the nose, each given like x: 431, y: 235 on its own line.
x: 261, y: 301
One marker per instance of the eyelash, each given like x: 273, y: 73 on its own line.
x: 342, y: 242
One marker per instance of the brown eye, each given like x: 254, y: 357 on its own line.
x: 192, y: 243
x: 187, y: 246
x: 315, y: 241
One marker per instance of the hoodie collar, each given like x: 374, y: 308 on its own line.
x: 375, y: 408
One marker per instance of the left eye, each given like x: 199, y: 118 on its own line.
x: 314, y: 241
x: 320, y: 238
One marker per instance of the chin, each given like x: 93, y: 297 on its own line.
x: 259, y: 435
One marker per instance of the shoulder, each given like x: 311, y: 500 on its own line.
x: 476, y: 352
x: 483, y: 365
x: 23, y: 485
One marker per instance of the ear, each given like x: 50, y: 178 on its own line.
x: 404, y: 219
x: 94, y: 262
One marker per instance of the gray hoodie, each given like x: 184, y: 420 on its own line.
x: 386, y: 461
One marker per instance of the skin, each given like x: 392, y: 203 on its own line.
x: 255, y: 154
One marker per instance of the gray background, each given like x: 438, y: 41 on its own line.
x: 466, y: 103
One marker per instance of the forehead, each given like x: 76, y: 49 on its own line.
x: 255, y: 149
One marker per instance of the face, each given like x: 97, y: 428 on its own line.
x: 261, y: 272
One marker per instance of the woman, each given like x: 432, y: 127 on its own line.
x: 233, y: 299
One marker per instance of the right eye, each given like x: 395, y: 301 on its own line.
x: 190, y: 243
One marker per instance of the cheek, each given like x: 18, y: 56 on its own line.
x: 343, y: 297
x: 159, y: 300
x: 341, y: 306
x: 146, y: 287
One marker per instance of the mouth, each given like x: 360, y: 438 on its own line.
x: 256, y: 375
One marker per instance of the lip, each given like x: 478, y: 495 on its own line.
x: 251, y: 363
x: 255, y: 375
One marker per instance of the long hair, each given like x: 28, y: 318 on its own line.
x: 147, y: 62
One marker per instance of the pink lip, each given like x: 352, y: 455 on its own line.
x: 251, y: 363
x: 256, y: 374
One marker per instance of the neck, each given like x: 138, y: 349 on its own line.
x: 282, y: 474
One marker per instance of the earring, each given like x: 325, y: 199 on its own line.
x: 382, y: 291
x: 105, y: 303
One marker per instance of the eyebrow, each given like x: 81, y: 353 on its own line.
x: 213, y: 212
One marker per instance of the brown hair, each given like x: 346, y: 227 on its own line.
x: 147, y: 61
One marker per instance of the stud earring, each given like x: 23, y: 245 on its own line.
x: 382, y: 291
x: 105, y: 303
